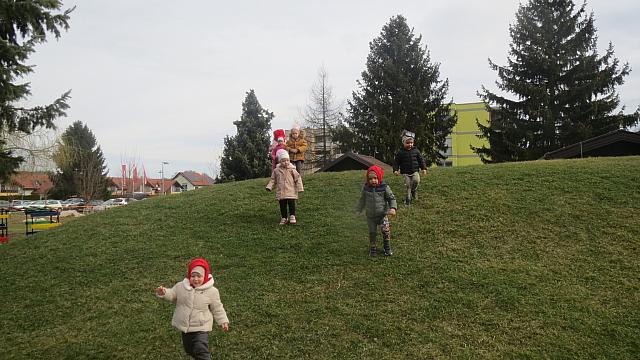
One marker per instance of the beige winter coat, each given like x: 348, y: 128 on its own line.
x: 287, y: 182
x: 196, y: 309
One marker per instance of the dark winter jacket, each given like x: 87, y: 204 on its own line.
x: 376, y: 200
x: 409, y: 161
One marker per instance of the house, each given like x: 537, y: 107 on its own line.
x: 613, y: 143
x: 26, y: 183
x: 353, y: 161
x: 119, y: 186
x: 190, y: 180
x: 160, y: 186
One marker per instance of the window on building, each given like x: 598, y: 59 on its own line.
x: 448, y: 151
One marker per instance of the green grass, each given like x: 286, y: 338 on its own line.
x: 526, y: 260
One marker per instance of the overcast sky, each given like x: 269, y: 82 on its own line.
x: 165, y: 80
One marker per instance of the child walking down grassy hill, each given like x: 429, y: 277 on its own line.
x: 379, y: 201
x: 197, y: 306
x: 288, y: 183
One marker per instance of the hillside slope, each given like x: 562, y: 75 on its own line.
x: 538, y: 259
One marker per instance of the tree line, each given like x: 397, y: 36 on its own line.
x: 555, y: 90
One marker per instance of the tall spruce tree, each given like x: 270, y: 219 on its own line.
x: 246, y: 155
x: 564, y: 91
x: 24, y: 24
x: 400, y: 89
x: 81, y: 165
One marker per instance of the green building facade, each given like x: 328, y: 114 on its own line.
x: 465, y: 134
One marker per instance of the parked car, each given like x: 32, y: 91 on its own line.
x: 71, y: 203
x: 93, y: 205
x: 53, y: 204
x: 116, y: 202
x: 45, y: 205
x: 20, y: 205
x: 5, y: 205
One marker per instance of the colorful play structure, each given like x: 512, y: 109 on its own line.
x: 39, y: 220
x: 4, y: 226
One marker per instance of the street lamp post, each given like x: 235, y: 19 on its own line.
x: 162, y: 174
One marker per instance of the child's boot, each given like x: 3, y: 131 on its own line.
x: 373, y: 249
x: 387, y: 247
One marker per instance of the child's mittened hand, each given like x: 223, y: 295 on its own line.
x: 160, y: 290
x: 424, y: 171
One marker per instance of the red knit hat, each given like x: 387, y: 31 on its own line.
x: 199, y: 262
x: 279, y: 133
x: 378, y: 170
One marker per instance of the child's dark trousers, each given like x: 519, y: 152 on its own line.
x: 283, y: 207
x: 196, y: 344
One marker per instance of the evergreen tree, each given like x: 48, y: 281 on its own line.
x: 81, y: 165
x: 23, y: 24
x: 400, y: 89
x: 564, y: 91
x: 246, y: 155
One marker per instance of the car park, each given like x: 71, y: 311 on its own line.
x: 45, y: 205
x: 20, y: 205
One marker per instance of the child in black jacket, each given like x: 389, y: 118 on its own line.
x: 409, y: 162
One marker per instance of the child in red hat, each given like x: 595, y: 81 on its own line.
x: 197, y: 306
x: 279, y: 139
x: 378, y: 201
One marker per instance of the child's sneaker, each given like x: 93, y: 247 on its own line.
x: 292, y: 220
x: 407, y: 201
x: 283, y: 221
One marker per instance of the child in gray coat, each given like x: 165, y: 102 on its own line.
x: 378, y: 201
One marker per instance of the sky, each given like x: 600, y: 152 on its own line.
x: 163, y: 81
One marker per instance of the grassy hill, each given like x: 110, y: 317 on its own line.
x: 527, y: 260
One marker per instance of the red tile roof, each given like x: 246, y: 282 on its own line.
x: 38, y: 182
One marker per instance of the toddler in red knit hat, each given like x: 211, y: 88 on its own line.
x: 198, y: 305
x: 279, y: 142
x: 378, y: 201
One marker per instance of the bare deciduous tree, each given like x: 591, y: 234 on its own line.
x: 36, y: 148
x: 322, y: 113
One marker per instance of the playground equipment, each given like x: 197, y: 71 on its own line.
x: 4, y: 226
x: 40, y: 220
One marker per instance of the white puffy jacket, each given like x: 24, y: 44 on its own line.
x: 196, y: 308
